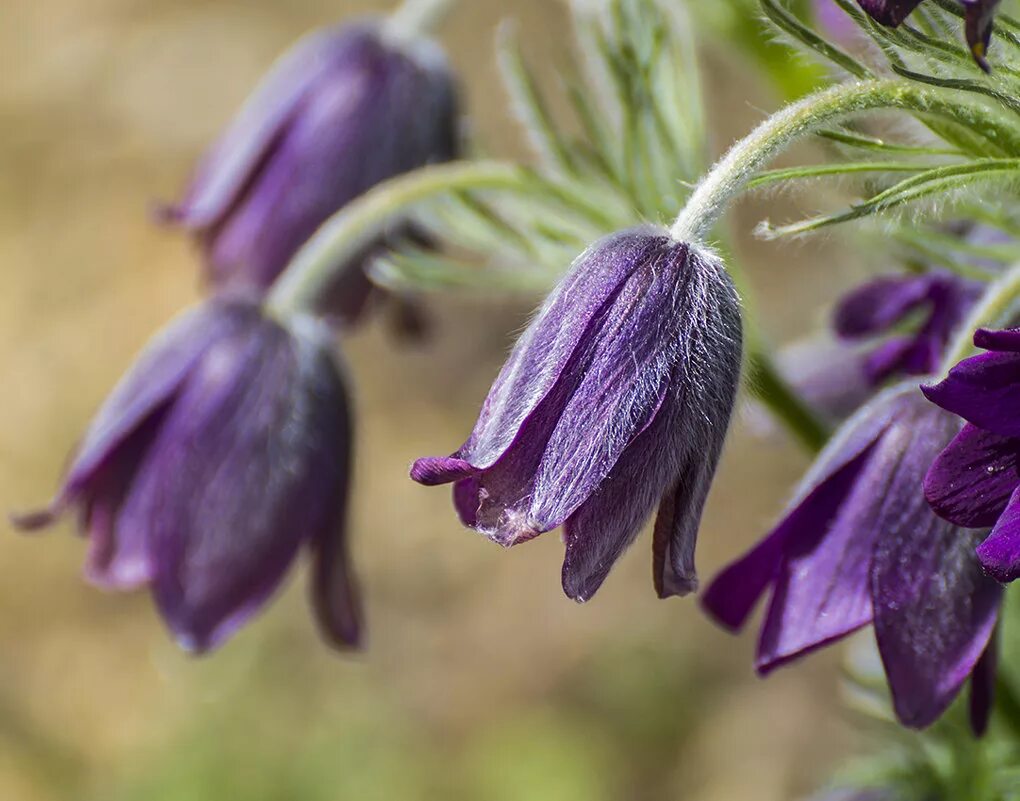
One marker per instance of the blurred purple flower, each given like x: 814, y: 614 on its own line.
x: 221, y: 453
x: 859, y: 545
x: 979, y: 18
x: 975, y: 481
x: 342, y: 111
x: 881, y: 305
x: 616, y: 399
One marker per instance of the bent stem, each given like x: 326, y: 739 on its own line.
x: 997, y: 309
x: 730, y: 176
x: 414, y: 18
x: 344, y: 236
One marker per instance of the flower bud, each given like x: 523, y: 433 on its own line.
x: 223, y: 451
x: 345, y: 109
x: 615, y: 399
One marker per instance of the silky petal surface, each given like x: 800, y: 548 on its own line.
x: 935, y: 611
x: 548, y: 345
x: 971, y: 480
x: 733, y: 594
x: 1000, y: 552
x: 149, y: 385
x: 236, y: 480
x: 984, y: 390
x: 235, y: 159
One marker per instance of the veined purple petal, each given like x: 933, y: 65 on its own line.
x: 639, y: 354
x: 934, y: 612
x: 334, y: 590
x: 545, y: 349
x: 1000, y: 552
x: 237, y: 479
x: 732, y: 595
x: 971, y: 481
x: 1006, y: 340
x: 984, y: 390
x: 877, y: 306
x: 822, y: 591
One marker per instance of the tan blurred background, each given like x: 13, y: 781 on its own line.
x: 481, y: 680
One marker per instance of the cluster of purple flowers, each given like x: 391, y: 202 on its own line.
x: 227, y: 447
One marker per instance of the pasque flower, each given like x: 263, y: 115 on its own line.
x: 345, y: 109
x: 220, y: 455
x: 615, y: 399
x: 859, y: 545
x: 882, y: 305
x: 976, y: 480
x: 979, y: 17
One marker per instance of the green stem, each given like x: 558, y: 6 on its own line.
x: 729, y: 177
x: 768, y: 385
x: 995, y: 310
x: 348, y: 232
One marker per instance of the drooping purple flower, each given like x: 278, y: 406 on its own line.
x: 859, y: 545
x: 882, y: 305
x: 976, y: 479
x: 221, y: 454
x: 979, y: 18
x: 616, y: 399
x: 345, y: 109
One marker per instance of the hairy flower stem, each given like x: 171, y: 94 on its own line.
x: 730, y: 176
x: 415, y: 18
x: 335, y: 246
x: 997, y: 309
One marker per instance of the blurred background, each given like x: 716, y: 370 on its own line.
x: 481, y: 681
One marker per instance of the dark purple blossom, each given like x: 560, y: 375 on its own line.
x: 342, y: 111
x: 975, y: 481
x: 979, y: 18
x: 616, y: 399
x: 884, y: 304
x: 220, y: 455
x: 859, y: 545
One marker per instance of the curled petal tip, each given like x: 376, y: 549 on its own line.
x: 36, y: 520
x: 434, y: 470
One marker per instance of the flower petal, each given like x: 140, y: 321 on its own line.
x: 732, y: 595
x: 984, y: 390
x: 546, y: 348
x: 970, y: 482
x: 877, y: 306
x: 934, y: 611
x: 982, y: 687
x: 232, y: 162
x: 1000, y: 552
x: 238, y: 478
x: 979, y: 18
